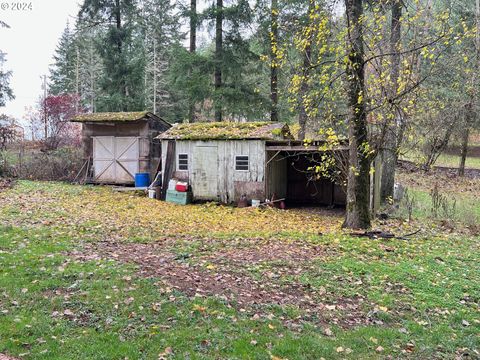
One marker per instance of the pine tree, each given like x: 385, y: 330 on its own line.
x: 273, y: 61
x: 193, y: 20
x: 6, y: 92
x: 122, y: 83
x: 218, y: 59
x: 235, y: 63
x: 63, y: 79
x: 90, y: 69
x: 161, y: 33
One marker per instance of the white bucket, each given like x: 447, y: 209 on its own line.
x: 171, y: 184
x: 255, y: 203
x: 152, y: 193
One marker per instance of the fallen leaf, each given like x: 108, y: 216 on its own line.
x: 128, y: 301
x: 68, y: 312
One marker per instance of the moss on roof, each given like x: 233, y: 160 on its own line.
x: 110, y: 116
x: 227, y: 131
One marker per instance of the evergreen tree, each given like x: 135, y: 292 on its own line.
x: 122, y: 81
x: 63, y: 79
x: 6, y: 92
x: 90, y: 69
x: 193, y: 20
x: 219, y: 59
x: 160, y: 33
x: 235, y: 62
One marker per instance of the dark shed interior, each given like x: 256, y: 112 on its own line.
x: 288, y: 176
x: 303, y: 188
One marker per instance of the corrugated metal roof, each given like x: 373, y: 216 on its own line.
x: 228, y: 131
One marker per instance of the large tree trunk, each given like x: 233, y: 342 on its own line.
x: 193, y: 26
x: 391, y: 129
x: 274, y: 61
x: 358, y: 187
x: 303, y: 116
x: 193, y: 49
x: 464, y: 148
x: 118, y: 20
x: 218, y: 58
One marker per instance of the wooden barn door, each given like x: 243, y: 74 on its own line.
x: 127, y: 153
x: 104, y: 159
x: 205, y: 173
x: 115, y: 159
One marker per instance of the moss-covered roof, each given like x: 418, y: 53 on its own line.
x: 111, y: 116
x: 228, y: 131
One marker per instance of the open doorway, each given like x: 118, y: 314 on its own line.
x: 288, y: 177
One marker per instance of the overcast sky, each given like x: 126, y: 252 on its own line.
x: 30, y: 43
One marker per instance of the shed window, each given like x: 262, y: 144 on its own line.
x: 241, y: 163
x: 182, y: 161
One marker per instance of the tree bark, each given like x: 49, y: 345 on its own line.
x: 358, y: 186
x: 391, y: 129
x: 273, y: 61
x: 118, y: 20
x: 303, y: 116
x: 218, y: 59
x: 193, y: 49
x: 464, y: 148
x: 193, y: 26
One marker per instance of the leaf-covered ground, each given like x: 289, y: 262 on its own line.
x: 87, y: 273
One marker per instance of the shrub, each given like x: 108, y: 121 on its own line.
x: 61, y: 164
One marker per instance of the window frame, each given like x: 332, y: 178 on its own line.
x: 247, y: 161
x: 187, y: 164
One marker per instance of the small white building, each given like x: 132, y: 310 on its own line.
x: 224, y: 160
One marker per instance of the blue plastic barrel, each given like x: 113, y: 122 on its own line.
x: 142, y: 179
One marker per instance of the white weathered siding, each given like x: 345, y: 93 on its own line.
x: 276, y: 175
x: 230, y: 182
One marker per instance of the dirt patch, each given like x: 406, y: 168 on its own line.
x: 224, y: 277
x: 5, y: 184
x: 272, y: 251
x: 6, y: 357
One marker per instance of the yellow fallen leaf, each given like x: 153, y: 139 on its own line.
x: 199, y: 308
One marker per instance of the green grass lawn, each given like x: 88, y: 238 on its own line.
x: 91, y: 274
x: 446, y: 160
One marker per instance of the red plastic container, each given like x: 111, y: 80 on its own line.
x: 181, y: 186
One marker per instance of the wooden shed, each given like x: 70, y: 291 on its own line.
x: 118, y: 145
x: 224, y: 160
